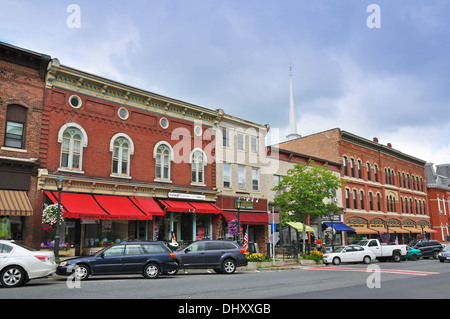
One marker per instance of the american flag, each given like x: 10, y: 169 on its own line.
x: 246, y: 240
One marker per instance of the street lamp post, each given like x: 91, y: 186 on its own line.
x: 238, y: 206
x: 332, y: 232
x: 59, y: 186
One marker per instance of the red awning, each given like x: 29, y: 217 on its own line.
x: 202, y: 207
x: 79, y: 206
x: 89, y: 206
x: 122, y: 207
x: 190, y: 207
x: 176, y: 206
x: 248, y: 218
x: 149, y: 205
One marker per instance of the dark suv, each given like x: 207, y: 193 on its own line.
x: 429, y: 248
x: 221, y: 255
x: 147, y: 258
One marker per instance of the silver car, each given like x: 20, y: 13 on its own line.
x: 19, y: 264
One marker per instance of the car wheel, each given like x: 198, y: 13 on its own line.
x: 435, y: 254
x: 396, y: 257
x: 12, y: 276
x: 151, y: 271
x: 413, y: 257
x: 81, y: 272
x: 336, y: 261
x: 173, y: 272
x: 229, y: 266
x: 367, y: 260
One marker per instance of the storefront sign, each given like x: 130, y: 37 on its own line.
x: 187, y: 196
x: 245, y: 204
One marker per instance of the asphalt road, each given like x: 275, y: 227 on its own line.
x: 420, y: 279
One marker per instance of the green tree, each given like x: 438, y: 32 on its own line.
x: 306, y: 192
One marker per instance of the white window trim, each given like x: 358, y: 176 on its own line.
x: 171, y: 159
x: 205, y: 161
x: 131, y: 152
x: 84, y: 144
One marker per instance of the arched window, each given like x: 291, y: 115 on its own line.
x: 71, y: 149
x: 73, y: 140
x: 121, y: 157
x: 163, y: 162
x: 198, y: 162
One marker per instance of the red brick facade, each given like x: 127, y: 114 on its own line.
x: 22, y: 84
x: 377, y: 202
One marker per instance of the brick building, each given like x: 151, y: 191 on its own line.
x: 438, y: 185
x: 286, y: 160
x: 385, y: 189
x: 135, y: 164
x: 22, y: 74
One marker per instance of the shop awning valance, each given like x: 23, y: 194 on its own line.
x: 339, y: 226
x: 149, y: 205
x: 15, y: 203
x: 90, y: 206
x: 181, y: 206
x: 299, y: 226
x: 248, y: 218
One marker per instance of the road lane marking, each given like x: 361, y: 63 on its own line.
x: 394, y: 271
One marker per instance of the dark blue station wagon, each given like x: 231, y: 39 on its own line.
x: 148, y: 258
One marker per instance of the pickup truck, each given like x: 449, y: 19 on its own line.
x: 384, y: 252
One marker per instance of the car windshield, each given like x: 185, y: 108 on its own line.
x: 99, y: 252
x: 338, y: 249
x: 446, y: 248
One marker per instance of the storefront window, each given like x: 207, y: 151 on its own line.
x: 98, y: 233
x: 11, y: 227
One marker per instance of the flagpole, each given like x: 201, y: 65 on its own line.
x: 273, y: 236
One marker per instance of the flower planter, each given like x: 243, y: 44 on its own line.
x: 63, y: 252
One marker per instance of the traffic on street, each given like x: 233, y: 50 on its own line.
x: 351, y: 280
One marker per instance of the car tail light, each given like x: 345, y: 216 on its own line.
x: 242, y: 251
x: 172, y: 255
x: 43, y: 258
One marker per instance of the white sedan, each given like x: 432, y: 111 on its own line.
x: 351, y: 253
x: 19, y: 264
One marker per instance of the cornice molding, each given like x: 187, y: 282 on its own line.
x: 70, y: 79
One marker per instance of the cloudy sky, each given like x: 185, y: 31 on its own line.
x: 382, y: 72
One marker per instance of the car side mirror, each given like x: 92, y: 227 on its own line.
x: 187, y: 250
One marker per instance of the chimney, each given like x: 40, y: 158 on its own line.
x: 389, y: 145
x: 375, y: 139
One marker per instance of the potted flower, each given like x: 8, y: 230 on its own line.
x: 384, y: 238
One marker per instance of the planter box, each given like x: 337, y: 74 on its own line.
x: 63, y: 252
x: 279, y: 263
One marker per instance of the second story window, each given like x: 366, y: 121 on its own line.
x: 241, y: 177
x: 71, y: 150
x: 16, y: 118
x: 198, y: 167
x: 121, y: 157
x: 163, y: 162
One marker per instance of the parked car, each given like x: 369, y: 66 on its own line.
x: 412, y: 254
x: 444, y: 254
x: 19, y: 264
x: 129, y: 257
x: 223, y: 256
x: 429, y: 248
x: 350, y: 253
x: 384, y: 252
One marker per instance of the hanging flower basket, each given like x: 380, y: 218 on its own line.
x: 50, y: 217
x: 233, y: 228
